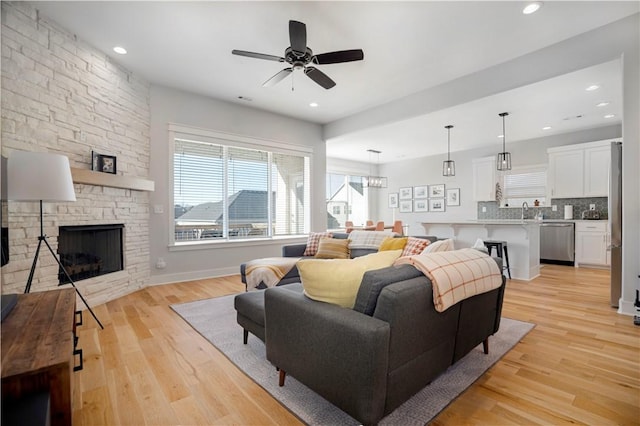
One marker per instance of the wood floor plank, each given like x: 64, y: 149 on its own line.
x: 580, y: 364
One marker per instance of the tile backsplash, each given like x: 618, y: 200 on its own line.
x: 579, y: 205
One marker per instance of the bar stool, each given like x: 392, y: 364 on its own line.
x: 500, y: 246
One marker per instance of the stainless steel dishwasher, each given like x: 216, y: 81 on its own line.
x: 557, y: 243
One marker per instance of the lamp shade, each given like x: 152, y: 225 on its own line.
x: 35, y: 176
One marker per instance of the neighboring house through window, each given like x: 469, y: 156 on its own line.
x: 347, y: 199
x: 227, y: 187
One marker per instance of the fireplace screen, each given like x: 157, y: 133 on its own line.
x: 89, y: 251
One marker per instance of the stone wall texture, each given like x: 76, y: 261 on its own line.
x: 64, y: 96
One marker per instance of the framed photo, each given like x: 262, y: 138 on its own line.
x: 453, y: 197
x: 421, y: 205
x: 436, y: 191
x: 436, y: 204
x: 107, y: 164
x: 420, y: 191
x: 406, y: 206
x: 393, y: 200
x: 406, y: 193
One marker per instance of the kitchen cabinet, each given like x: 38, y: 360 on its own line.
x: 484, y: 179
x: 580, y: 170
x: 591, y: 243
x: 597, y: 169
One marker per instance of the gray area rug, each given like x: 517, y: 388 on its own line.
x: 215, y: 319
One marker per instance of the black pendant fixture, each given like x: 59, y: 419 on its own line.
x: 504, y: 158
x: 448, y: 166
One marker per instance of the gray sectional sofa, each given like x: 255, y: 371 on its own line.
x: 370, y: 359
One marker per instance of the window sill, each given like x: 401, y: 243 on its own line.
x: 216, y: 245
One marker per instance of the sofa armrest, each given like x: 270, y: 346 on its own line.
x: 339, y: 353
x: 294, y: 250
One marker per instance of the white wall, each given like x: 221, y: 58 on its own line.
x: 173, y: 106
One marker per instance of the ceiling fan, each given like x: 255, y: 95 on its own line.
x: 299, y: 56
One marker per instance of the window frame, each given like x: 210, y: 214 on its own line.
x: 178, y: 131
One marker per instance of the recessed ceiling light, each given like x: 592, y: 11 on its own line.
x: 546, y: 128
x: 609, y: 116
x: 592, y: 88
x: 120, y: 50
x: 500, y: 136
x: 601, y: 104
x: 313, y: 104
x: 532, y: 7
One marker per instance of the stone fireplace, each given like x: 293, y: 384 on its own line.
x: 89, y: 251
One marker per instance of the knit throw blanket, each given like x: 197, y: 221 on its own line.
x: 268, y: 270
x: 456, y: 275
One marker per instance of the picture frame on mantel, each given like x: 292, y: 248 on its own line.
x: 103, y: 163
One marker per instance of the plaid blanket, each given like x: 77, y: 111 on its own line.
x: 456, y: 275
x: 268, y: 270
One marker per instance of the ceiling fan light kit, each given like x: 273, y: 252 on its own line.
x: 504, y: 157
x: 448, y: 166
x: 301, y: 57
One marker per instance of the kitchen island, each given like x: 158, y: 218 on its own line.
x: 522, y: 237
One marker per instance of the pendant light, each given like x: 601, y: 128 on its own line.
x: 504, y: 158
x: 448, y: 166
x: 372, y: 181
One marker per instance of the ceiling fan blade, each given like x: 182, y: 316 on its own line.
x: 298, y: 37
x: 257, y: 55
x: 277, y: 78
x: 338, y: 57
x: 319, y: 77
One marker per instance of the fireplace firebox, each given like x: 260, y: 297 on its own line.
x: 89, y: 251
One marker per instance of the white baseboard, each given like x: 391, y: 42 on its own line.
x: 626, y: 308
x: 194, y: 275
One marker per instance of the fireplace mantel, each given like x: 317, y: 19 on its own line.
x: 90, y: 177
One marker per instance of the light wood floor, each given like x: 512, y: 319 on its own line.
x: 580, y: 364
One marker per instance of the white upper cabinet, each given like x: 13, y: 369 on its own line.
x: 597, y: 163
x: 484, y: 179
x: 580, y: 170
x: 564, y: 175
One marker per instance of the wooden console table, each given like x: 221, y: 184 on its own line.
x: 38, y: 342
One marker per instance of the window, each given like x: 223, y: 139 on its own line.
x: 525, y: 184
x: 347, y: 199
x: 228, y: 190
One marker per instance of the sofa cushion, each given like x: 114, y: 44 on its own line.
x: 393, y: 243
x: 337, y: 281
x: 442, y: 245
x: 333, y: 248
x: 415, y: 246
x: 313, y: 241
x: 374, y: 281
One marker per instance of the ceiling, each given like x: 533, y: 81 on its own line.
x: 408, y: 47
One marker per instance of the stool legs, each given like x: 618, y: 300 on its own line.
x: 506, y: 260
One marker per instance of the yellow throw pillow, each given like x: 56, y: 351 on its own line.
x: 333, y: 248
x: 337, y: 280
x: 391, y: 243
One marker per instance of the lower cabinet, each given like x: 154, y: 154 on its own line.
x: 592, y: 239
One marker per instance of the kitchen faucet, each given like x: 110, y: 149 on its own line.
x: 525, y: 206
